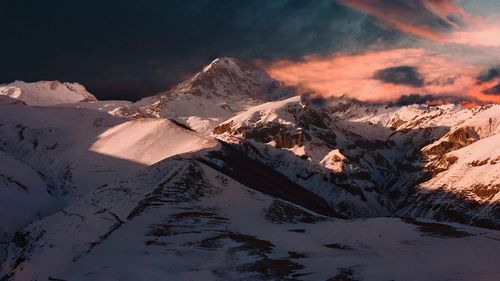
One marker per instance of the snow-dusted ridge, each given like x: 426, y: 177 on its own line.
x: 373, y: 160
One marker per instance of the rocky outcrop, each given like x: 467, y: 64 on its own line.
x: 282, y: 136
x: 457, y: 139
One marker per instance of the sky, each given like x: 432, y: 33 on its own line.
x: 373, y: 50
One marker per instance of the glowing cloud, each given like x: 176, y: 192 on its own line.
x: 354, y: 75
x: 447, y: 67
x: 443, y: 21
x: 480, y: 35
x: 431, y: 19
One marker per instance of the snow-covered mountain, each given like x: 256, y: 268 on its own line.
x: 448, y: 141
x: 46, y: 93
x: 228, y: 176
x: 380, y: 160
x: 222, y: 89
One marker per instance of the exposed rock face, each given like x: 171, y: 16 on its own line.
x: 485, y: 192
x: 223, y: 128
x: 387, y: 162
x: 459, y: 138
x: 281, y: 135
x: 396, y: 123
x: 294, y: 125
x: 441, y: 165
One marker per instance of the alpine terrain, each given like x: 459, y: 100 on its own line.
x: 231, y: 175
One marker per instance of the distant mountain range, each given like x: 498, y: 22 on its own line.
x: 231, y: 175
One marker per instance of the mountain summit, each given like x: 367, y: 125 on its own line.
x: 46, y: 93
x: 229, y: 76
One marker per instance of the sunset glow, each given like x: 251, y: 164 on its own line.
x: 445, y: 35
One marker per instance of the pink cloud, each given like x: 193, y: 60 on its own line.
x: 430, y: 19
x: 481, y: 34
x: 353, y: 75
x: 449, y: 68
x: 443, y: 21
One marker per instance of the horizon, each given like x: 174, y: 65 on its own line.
x: 309, y: 95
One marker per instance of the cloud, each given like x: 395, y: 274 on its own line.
x: 444, y: 21
x: 490, y: 81
x: 482, y: 33
x: 353, y: 75
x: 431, y: 19
x: 400, y: 75
x: 430, y: 99
x: 489, y: 75
x: 495, y: 90
x: 443, y: 62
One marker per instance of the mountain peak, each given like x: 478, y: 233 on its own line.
x: 224, y: 63
x: 235, y: 66
x: 226, y: 76
x: 217, y: 92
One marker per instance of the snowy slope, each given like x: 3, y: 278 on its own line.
x: 24, y: 197
x: 52, y: 156
x: 45, y: 93
x: 184, y: 221
x: 472, y: 167
x: 107, y: 106
x: 146, y: 141
x: 81, y: 147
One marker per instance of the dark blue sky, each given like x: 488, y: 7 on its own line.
x: 130, y: 49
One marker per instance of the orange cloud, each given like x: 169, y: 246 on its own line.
x: 431, y: 19
x: 353, y: 75
x: 481, y: 34
x: 477, y: 91
x: 445, y: 72
x: 443, y: 21
x: 446, y: 8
